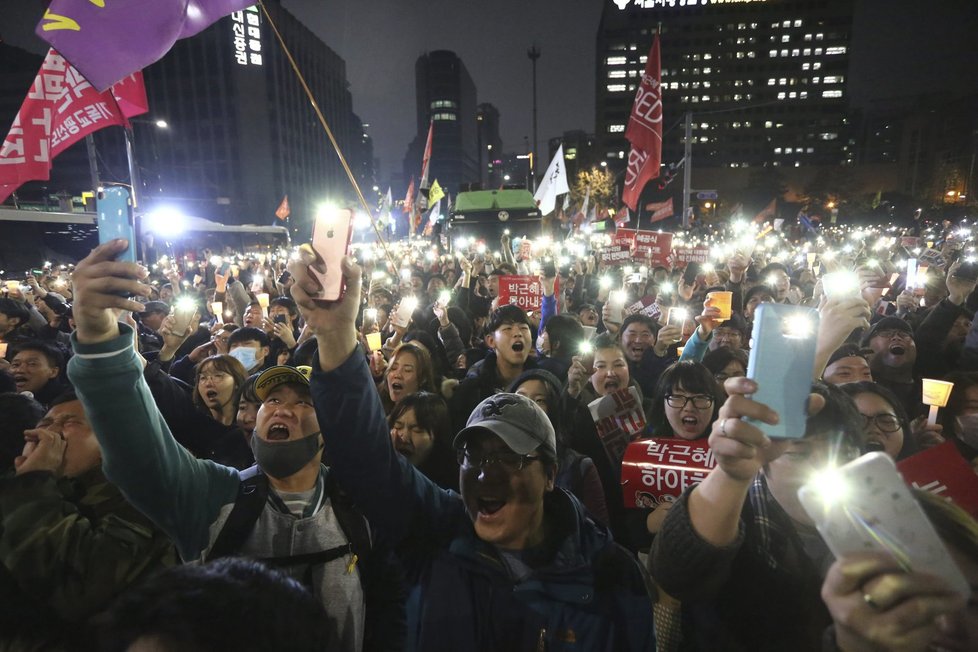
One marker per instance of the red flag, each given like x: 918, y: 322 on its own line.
x: 409, y: 198
x: 61, y: 108
x: 130, y: 94
x: 644, y: 130
x: 283, y: 211
x: 426, y: 159
x: 660, y: 210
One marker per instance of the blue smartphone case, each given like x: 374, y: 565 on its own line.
x: 781, y: 364
x: 116, y: 220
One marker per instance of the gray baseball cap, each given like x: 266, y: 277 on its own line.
x: 517, y: 420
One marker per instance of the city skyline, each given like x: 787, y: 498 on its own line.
x: 899, y: 48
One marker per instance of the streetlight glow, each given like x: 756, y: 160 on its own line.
x: 162, y: 124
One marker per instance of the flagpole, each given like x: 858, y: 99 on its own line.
x: 687, y: 168
x: 329, y: 133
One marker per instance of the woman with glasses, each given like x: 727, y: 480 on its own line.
x: 686, y: 401
x: 884, y: 419
x: 725, y: 363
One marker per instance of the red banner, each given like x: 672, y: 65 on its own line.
x: 654, y: 247
x: 523, y: 291
x: 61, y: 108
x: 941, y: 470
x: 661, y: 210
x: 655, y: 471
x: 683, y: 256
x: 283, y: 210
x: 644, y: 130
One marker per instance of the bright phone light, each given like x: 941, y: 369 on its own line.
x: 798, y: 327
x: 830, y: 486
x: 185, y: 304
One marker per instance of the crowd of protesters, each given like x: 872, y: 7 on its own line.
x: 418, y: 467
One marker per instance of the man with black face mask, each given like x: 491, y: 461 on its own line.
x: 284, y: 511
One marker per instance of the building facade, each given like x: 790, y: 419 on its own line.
x: 765, y: 80
x: 489, y: 146
x: 240, y: 133
x: 446, y: 98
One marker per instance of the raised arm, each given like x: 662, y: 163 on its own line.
x: 392, y: 494
x: 181, y: 494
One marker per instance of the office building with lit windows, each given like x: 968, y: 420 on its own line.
x: 446, y: 97
x: 765, y: 80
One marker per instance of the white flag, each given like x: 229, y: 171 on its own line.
x: 554, y: 183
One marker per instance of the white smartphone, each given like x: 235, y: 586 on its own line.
x: 866, y: 506
x: 331, y: 239
x: 405, y: 310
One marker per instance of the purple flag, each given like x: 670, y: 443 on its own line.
x: 107, y: 41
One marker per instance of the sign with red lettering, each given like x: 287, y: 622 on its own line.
x: 683, y: 256
x: 619, y: 251
x: 910, y: 242
x: 656, y: 471
x: 618, y: 418
x: 523, y: 291
x: 654, y: 247
x: 941, y: 470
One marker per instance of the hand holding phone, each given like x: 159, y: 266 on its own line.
x: 866, y: 506
x: 331, y: 239
x: 116, y: 220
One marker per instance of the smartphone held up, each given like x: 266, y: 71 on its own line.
x: 781, y: 362
x: 331, y: 238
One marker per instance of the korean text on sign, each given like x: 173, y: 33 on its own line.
x: 659, y: 470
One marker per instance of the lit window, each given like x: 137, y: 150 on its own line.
x: 444, y: 104
x: 706, y: 84
x: 707, y: 56
x: 808, y: 37
x: 787, y: 150
x: 832, y: 93
x: 818, y: 52
x: 836, y: 49
x: 809, y: 150
x: 707, y: 71
x: 782, y: 81
x: 621, y: 154
x: 796, y: 52
x: 817, y: 65
x: 815, y: 80
x: 831, y: 79
x: 786, y: 23
x: 674, y: 85
x: 750, y: 55
x: 706, y: 98
x: 797, y: 23
x: 704, y: 139
x: 828, y: 135
x: 634, y: 73
x: 803, y: 95
x: 785, y: 38
x: 616, y: 74
x: 617, y: 61
x: 705, y: 125
x: 777, y: 150
x: 781, y: 96
x: 784, y: 53
x: 643, y: 59
x: 792, y: 95
x: 616, y: 88
x: 632, y: 47
x: 772, y: 53
x: 616, y: 129
x: 807, y: 52
x: 820, y: 37
x: 806, y: 66
x: 443, y: 116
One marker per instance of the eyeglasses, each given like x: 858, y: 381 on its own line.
x: 700, y: 401
x: 507, y: 460
x: 885, y: 422
x: 722, y: 376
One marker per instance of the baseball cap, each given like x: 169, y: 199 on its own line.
x: 887, y: 324
x: 849, y: 350
x: 274, y: 377
x: 517, y: 420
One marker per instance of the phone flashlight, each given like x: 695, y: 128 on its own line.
x: 830, y: 485
x: 585, y: 348
x: 444, y: 297
x: 411, y: 303
x: 798, y: 327
x: 370, y: 313
x: 185, y: 305
x: 605, y: 282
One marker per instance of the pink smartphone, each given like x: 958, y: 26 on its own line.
x: 331, y: 239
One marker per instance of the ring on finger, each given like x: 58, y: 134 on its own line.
x: 723, y: 427
x: 868, y: 599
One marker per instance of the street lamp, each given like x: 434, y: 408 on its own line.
x: 534, y: 53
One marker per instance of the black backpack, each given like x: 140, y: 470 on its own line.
x: 251, y: 499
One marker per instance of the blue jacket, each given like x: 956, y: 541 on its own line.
x: 586, y: 592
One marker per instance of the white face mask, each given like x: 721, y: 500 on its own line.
x: 968, y: 429
x: 247, y: 356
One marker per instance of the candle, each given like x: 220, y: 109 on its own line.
x: 935, y: 394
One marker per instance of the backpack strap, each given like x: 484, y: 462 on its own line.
x: 248, y: 505
x: 351, y: 521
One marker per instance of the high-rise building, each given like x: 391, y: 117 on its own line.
x: 489, y: 146
x: 765, y: 80
x: 581, y: 151
x: 241, y: 132
x: 446, y: 98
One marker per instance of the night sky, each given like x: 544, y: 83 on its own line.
x: 899, y: 48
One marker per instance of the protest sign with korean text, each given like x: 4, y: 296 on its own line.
x: 653, y: 247
x: 942, y: 471
x: 618, y: 418
x: 524, y: 291
x: 655, y: 471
